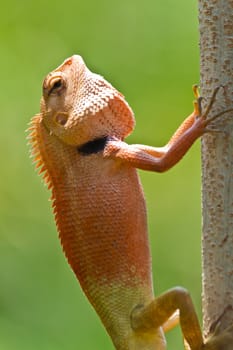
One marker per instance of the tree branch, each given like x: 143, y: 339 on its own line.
x: 216, y: 46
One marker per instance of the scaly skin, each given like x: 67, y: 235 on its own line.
x: 99, y: 205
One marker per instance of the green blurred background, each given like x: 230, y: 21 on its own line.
x: 149, y: 51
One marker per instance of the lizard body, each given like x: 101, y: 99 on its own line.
x: 99, y: 207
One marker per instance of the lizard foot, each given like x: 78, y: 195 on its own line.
x: 201, y: 117
x: 220, y: 340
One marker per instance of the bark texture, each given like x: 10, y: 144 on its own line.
x: 216, y: 46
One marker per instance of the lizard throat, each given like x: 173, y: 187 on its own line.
x: 94, y: 146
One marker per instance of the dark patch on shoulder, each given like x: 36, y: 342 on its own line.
x: 94, y: 146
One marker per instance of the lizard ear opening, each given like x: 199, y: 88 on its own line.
x: 61, y: 118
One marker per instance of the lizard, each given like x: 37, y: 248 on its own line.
x: 78, y: 144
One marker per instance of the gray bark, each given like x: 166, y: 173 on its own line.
x: 216, y: 48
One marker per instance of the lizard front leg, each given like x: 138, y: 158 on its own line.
x: 160, y: 159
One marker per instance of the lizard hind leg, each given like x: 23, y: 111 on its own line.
x: 157, y: 313
x: 172, y: 322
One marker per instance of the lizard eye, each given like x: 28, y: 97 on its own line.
x: 55, y: 85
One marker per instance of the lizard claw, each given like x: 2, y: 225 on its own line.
x: 196, y: 91
x: 212, y: 100
x: 197, y: 101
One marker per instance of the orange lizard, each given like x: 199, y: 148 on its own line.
x: 78, y: 144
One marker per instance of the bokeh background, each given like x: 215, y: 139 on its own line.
x: 149, y: 51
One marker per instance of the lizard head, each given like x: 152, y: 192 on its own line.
x: 79, y: 106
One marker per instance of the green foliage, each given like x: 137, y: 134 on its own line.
x: 149, y: 51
